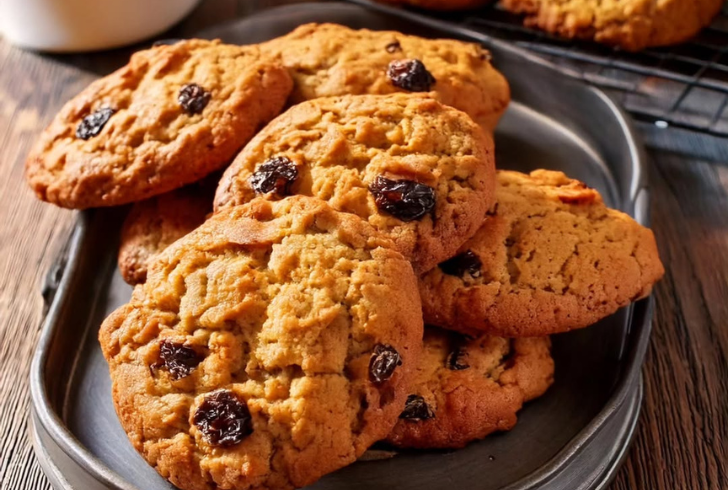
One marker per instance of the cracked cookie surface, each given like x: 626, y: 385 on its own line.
x: 630, y: 24
x: 329, y: 60
x: 465, y: 389
x: 268, y: 347
x: 354, y: 151
x: 550, y: 258
x: 154, y: 224
x: 172, y: 115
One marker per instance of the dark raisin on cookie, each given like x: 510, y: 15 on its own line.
x: 180, y: 360
x: 383, y: 362
x: 416, y: 409
x: 410, y: 75
x: 404, y: 199
x: 393, y: 47
x: 277, y: 175
x: 509, y: 360
x: 193, y: 98
x: 458, y: 359
x: 223, y: 419
x: 464, y: 263
x: 92, y: 124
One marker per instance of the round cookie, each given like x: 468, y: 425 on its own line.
x: 550, y: 258
x: 171, y: 116
x: 465, y: 389
x: 329, y: 60
x: 264, y: 351
x: 154, y: 224
x: 630, y: 24
x: 419, y: 171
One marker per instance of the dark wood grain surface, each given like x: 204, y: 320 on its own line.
x: 682, y: 438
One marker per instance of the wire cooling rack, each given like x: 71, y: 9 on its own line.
x: 685, y: 86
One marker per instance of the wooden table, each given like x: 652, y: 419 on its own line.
x: 682, y: 439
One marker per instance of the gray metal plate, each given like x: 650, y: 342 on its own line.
x: 572, y: 438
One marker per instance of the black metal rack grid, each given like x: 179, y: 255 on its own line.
x: 684, y: 86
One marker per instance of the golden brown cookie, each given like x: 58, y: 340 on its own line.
x: 154, y: 224
x: 551, y: 258
x: 419, y: 171
x: 171, y: 116
x: 630, y: 24
x: 465, y: 389
x: 329, y: 59
x: 441, y: 5
x: 268, y: 347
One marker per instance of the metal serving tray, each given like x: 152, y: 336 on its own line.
x: 573, y: 438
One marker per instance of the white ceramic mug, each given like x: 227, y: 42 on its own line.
x: 86, y: 25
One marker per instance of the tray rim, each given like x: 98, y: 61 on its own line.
x: 637, y: 339
x: 41, y: 405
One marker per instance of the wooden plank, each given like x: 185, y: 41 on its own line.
x: 30, y: 235
x: 683, y: 431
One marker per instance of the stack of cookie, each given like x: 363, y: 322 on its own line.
x: 276, y: 329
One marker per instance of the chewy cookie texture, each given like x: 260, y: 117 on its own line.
x: 630, y: 24
x: 154, y: 224
x: 329, y: 60
x: 466, y: 388
x: 418, y: 171
x: 270, y: 346
x: 550, y: 258
x: 171, y: 116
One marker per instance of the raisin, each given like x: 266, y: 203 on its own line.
x: 509, y: 360
x: 383, y: 362
x: 393, y: 47
x: 457, y: 360
x: 193, y: 98
x: 223, y: 419
x: 405, y: 199
x: 179, y: 359
x: 276, y: 174
x: 416, y: 409
x: 92, y: 124
x: 465, y: 263
x: 410, y: 75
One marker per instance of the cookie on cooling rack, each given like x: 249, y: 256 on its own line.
x: 632, y: 24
